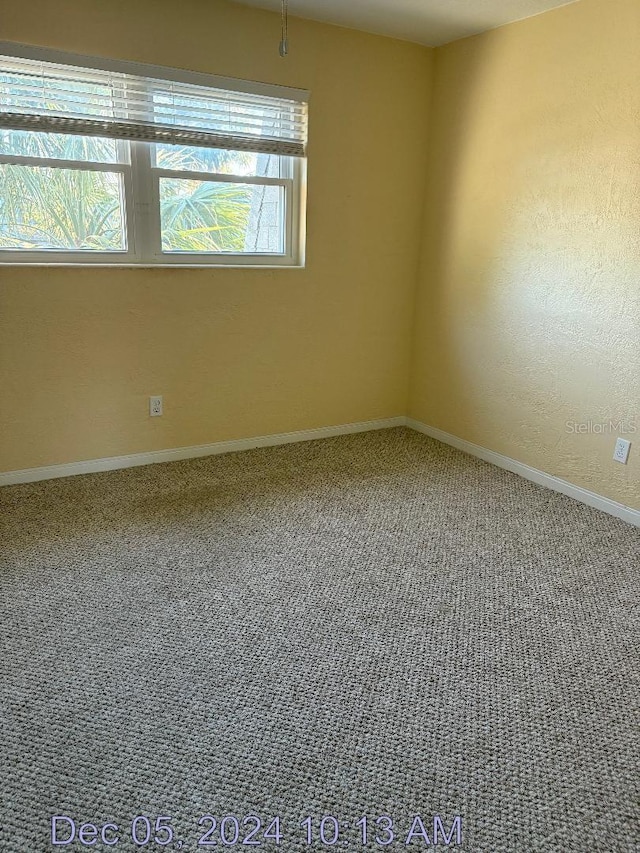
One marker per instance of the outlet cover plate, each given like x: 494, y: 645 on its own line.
x: 621, y: 453
x: 155, y: 407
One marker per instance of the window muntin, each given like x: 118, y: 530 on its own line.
x: 72, y: 197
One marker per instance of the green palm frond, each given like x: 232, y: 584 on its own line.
x: 204, y: 217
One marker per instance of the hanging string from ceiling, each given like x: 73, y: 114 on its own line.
x: 284, y: 40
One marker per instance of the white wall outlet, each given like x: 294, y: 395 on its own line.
x: 621, y: 453
x: 155, y: 406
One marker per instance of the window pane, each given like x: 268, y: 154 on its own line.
x: 68, y: 209
x: 242, y: 163
x: 62, y: 146
x: 205, y: 216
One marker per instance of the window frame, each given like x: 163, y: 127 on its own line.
x: 141, y: 200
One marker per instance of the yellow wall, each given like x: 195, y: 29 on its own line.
x: 528, y: 312
x: 234, y: 352
x: 527, y: 263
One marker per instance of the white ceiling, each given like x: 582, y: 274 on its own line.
x: 430, y: 22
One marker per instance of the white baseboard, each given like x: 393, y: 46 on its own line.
x: 112, y: 463
x: 626, y: 513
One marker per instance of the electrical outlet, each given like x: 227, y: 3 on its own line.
x: 155, y: 406
x: 621, y: 453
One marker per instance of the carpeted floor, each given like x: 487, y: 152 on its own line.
x: 369, y: 625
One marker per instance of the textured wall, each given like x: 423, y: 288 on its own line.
x: 234, y: 352
x: 528, y: 312
x: 528, y: 304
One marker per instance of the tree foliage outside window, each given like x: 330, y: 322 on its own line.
x: 56, y: 208
x: 73, y: 209
x: 205, y: 216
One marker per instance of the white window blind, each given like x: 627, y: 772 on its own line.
x: 54, y: 98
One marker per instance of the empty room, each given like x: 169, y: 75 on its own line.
x: 320, y: 425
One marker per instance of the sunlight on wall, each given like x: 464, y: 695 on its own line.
x: 528, y: 313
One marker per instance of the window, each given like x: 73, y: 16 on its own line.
x: 103, y: 165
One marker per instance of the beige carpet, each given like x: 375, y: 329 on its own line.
x: 374, y: 625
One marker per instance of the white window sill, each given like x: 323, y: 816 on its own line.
x: 156, y: 266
